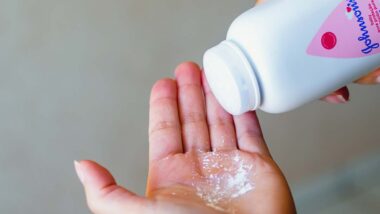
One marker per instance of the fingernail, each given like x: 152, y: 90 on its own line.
x: 78, y: 169
x: 378, y: 80
x: 341, y: 99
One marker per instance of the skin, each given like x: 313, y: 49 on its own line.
x: 187, y: 123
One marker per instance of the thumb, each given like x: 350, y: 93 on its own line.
x: 103, y: 194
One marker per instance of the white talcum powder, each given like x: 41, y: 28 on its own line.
x: 224, y: 177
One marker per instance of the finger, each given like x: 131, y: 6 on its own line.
x: 192, y: 110
x: 259, y: 2
x: 164, y: 125
x: 370, y: 79
x: 221, y: 124
x: 103, y: 194
x: 340, y: 96
x: 249, y: 134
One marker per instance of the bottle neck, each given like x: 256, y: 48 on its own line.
x: 232, y: 78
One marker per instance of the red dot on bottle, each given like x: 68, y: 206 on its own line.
x: 329, y: 40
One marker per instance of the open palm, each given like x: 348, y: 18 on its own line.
x: 202, y: 160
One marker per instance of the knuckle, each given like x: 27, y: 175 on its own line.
x: 251, y: 136
x: 189, y: 86
x: 220, y: 122
x: 193, y: 117
x: 163, y: 101
x: 163, y: 125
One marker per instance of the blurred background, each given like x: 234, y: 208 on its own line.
x: 75, y: 78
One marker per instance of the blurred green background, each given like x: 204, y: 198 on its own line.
x: 75, y: 78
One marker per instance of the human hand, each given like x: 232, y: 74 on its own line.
x: 342, y: 95
x: 202, y: 159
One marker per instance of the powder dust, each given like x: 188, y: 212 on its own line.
x: 223, y: 177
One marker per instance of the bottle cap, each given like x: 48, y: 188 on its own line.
x: 232, y: 78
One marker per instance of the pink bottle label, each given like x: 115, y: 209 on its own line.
x: 351, y: 31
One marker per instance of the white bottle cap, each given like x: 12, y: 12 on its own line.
x: 232, y: 78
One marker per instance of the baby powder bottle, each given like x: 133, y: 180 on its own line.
x: 284, y: 53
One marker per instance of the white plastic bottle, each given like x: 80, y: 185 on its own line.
x: 284, y: 53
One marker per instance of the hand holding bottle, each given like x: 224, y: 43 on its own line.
x: 281, y: 55
x: 342, y: 95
